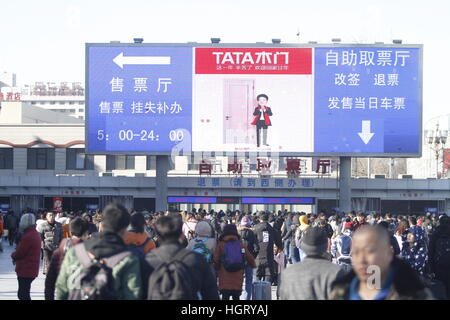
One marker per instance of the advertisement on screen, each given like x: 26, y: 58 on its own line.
x: 288, y: 100
x: 57, y: 204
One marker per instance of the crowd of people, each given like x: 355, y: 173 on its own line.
x: 118, y: 254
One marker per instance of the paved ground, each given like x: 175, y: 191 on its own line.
x: 8, y: 278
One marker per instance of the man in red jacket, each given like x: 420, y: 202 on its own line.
x: 27, y: 255
x: 262, y: 121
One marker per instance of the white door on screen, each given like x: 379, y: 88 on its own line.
x: 238, y: 111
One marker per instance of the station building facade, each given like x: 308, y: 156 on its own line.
x: 42, y: 161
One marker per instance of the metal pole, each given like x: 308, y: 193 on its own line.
x: 162, y: 168
x: 345, y: 200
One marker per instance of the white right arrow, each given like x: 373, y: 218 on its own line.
x: 122, y: 60
x: 365, y: 133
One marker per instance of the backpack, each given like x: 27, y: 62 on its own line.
x: 346, y: 245
x: 139, y: 251
x: 200, y: 247
x: 171, y: 280
x: 442, y: 251
x: 95, y: 281
x: 233, y: 256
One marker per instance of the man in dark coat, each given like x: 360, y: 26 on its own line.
x: 169, y: 231
x: 266, y: 238
x: 12, y: 225
x: 52, y: 234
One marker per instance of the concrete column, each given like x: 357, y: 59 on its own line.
x: 162, y: 168
x: 60, y: 160
x: 345, y: 174
x: 20, y: 161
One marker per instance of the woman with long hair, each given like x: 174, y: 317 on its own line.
x: 401, y: 232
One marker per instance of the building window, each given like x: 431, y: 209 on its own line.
x: 41, y: 158
x: 121, y: 162
x: 76, y: 159
x: 151, y: 162
x: 192, y: 165
x: 80, y: 110
x: 80, y: 117
x: 80, y: 102
x: 71, y: 110
x: 71, y: 102
x: 52, y: 102
x: 6, y: 158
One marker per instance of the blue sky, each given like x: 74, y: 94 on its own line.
x: 44, y: 40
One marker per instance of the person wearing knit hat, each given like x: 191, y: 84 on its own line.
x: 310, y: 279
x: 245, y: 222
x: 204, y: 241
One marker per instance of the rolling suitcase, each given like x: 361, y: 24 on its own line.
x: 262, y: 290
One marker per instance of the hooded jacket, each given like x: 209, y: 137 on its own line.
x: 126, y: 274
x: 406, y: 284
x: 204, y: 231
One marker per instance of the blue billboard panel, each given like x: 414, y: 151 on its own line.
x: 191, y: 199
x: 338, y: 100
x: 139, y: 98
x: 367, y: 100
x: 262, y: 200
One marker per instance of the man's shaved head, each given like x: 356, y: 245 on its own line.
x: 376, y: 232
x: 371, y: 246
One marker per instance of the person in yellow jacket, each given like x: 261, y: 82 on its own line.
x: 304, y: 224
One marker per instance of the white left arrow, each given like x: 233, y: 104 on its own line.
x: 120, y: 60
x: 365, y: 133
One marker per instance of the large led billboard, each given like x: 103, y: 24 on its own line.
x: 294, y: 100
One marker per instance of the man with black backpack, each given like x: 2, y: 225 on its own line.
x: 102, y: 268
x: 176, y: 273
